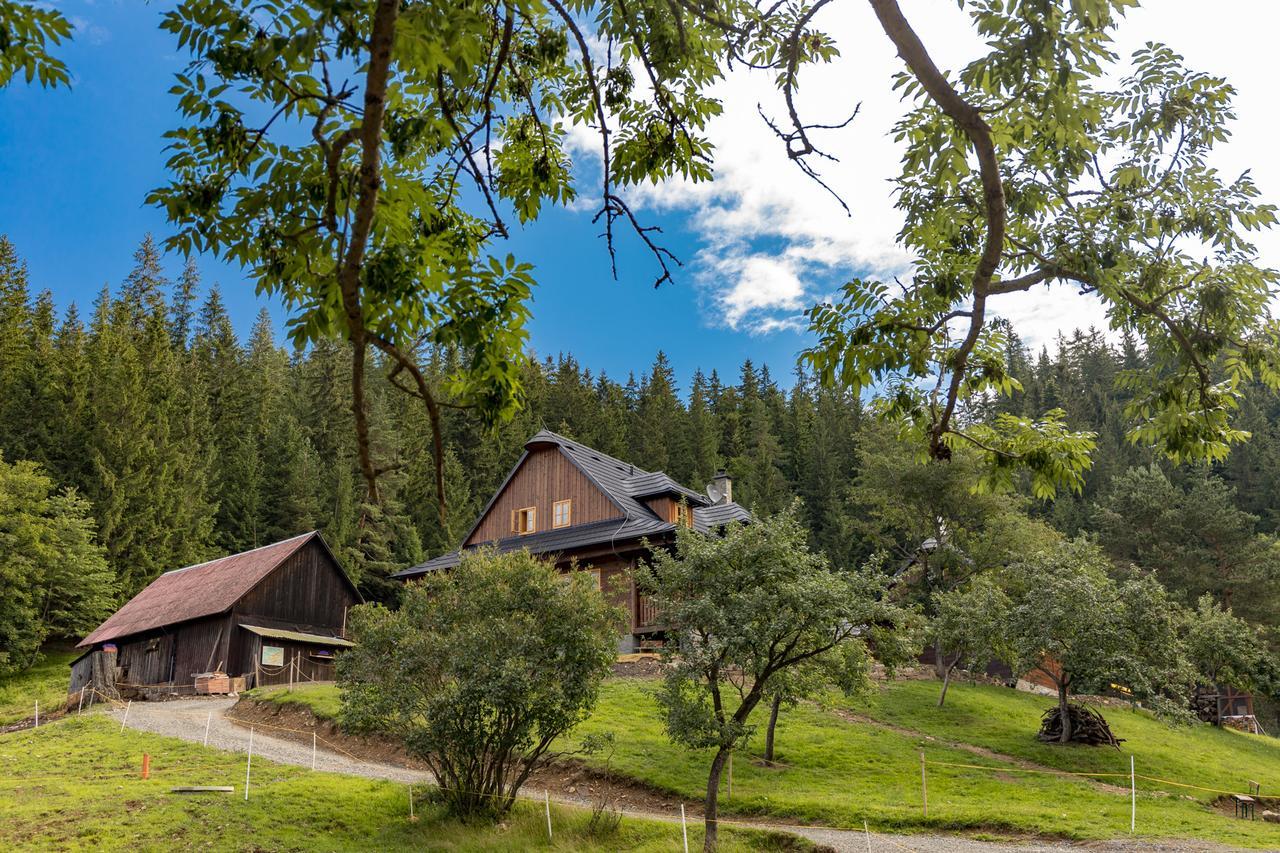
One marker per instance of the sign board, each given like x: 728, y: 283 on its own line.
x: 273, y: 656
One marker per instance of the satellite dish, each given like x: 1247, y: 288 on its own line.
x: 714, y: 494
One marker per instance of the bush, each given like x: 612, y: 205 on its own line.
x: 480, y: 670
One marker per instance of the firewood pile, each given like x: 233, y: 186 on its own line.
x: 1087, y: 726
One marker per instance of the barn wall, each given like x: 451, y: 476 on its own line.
x: 81, y: 673
x: 545, y: 476
x: 146, y: 658
x: 308, y: 666
x: 306, y: 593
x: 173, y: 654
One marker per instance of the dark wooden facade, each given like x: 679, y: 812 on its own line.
x: 618, y: 513
x: 545, y: 477
x: 306, y: 593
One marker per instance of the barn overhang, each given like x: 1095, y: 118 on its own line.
x: 297, y: 636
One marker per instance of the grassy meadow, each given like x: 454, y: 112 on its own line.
x: 74, y: 785
x: 45, y: 682
x: 849, y: 761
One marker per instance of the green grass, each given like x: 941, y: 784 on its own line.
x: 74, y: 785
x: 839, y: 772
x: 1006, y: 721
x: 322, y: 700
x: 45, y: 682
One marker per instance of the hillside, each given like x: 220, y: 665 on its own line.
x: 74, y: 785
x: 46, y: 683
x: 848, y: 762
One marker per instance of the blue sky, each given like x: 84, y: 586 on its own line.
x: 761, y: 243
x: 75, y: 166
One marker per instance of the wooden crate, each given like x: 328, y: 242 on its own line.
x: 238, y: 684
x: 213, y: 682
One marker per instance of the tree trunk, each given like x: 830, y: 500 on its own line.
x: 711, y: 807
x: 773, y: 724
x: 1064, y: 713
x: 940, y: 661
x: 946, y: 682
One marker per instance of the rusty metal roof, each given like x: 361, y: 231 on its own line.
x: 195, y: 591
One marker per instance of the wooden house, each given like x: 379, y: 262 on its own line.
x: 268, y: 615
x: 580, y: 507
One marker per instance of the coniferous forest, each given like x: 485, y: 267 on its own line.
x: 186, y: 442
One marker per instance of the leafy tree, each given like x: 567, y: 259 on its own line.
x: 968, y: 627
x: 745, y: 609
x: 419, y: 131
x: 27, y: 31
x: 480, y: 670
x: 1070, y: 621
x: 54, y: 580
x: 1028, y: 167
x: 1225, y: 650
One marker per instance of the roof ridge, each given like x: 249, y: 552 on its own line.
x: 632, y: 469
x: 236, y: 554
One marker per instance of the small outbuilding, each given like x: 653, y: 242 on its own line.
x: 272, y: 615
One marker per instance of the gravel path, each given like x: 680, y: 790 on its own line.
x: 187, y: 718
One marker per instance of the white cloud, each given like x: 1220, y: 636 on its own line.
x: 775, y: 241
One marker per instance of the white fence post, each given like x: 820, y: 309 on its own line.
x: 313, y: 767
x: 547, y: 798
x: 248, y: 765
x: 1133, y: 798
x: 80, y: 707
x: 208, y: 721
x: 126, y: 716
x: 867, y: 831
x: 37, y: 725
x: 684, y: 829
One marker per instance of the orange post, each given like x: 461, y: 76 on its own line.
x: 146, y: 766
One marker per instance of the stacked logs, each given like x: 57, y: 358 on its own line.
x: 1087, y: 726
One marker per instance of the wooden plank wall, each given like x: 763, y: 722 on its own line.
x: 305, y: 592
x: 310, y: 668
x: 545, y: 477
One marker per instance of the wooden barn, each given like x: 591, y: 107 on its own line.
x: 267, y: 615
x: 586, y: 509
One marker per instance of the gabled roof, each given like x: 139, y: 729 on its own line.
x: 622, y: 483
x: 201, y: 590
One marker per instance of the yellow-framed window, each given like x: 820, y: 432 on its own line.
x: 562, y: 513
x: 524, y: 520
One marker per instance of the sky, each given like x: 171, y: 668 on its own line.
x: 759, y: 244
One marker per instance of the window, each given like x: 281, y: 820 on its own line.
x: 524, y: 521
x: 561, y: 513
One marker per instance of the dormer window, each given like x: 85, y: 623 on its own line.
x: 562, y: 513
x: 524, y: 521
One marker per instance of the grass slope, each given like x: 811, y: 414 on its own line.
x: 74, y: 785
x: 839, y: 772
x: 322, y: 700
x: 45, y: 682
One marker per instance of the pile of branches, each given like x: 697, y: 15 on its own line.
x: 1087, y: 726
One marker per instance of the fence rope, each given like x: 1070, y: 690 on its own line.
x: 1088, y: 775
